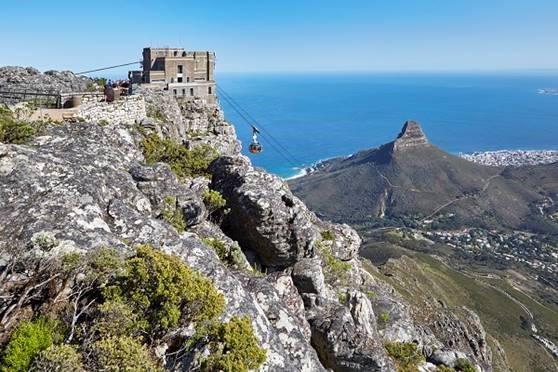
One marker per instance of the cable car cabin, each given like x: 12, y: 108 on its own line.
x: 255, y: 148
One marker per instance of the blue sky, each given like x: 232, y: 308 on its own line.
x: 287, y: 35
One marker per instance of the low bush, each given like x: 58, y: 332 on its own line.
x: 14, y: 131
x: 384, y: 317
x: 28, y: 340
x: 335, y: 268
x: 172, y: 214
x: 183, y: 162
x: 164, y: 290
x: 234, y: 347
x: 63, y: 358
x: 406, y: 355
x: 117, y: 318
x: 214, y: 200
x: 464, y: 365
x: 220, y: 248
x: 156, y: 113
x: 328, y: 235
x: 121, y: 353
x: 444, y: 368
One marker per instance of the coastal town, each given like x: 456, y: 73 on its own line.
x: 537, y: 252
x: 512, y: 158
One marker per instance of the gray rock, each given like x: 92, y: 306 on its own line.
x: 265, y: 216
x: 29, y: 79
x: 344, y: 346
x: 446, y: 357
x: 81, y: 186
x: 308, y: 276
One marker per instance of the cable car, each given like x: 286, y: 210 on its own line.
x: 255, y: 147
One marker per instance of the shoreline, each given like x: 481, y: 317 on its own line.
x: 495, y: 158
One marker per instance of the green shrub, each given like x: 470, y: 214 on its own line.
x: 328, y: 235
x: 123, y: 353
x: 183, y: 162
x: 444, y: 368
x: 116, y: 318
x: 335, y: 268
x: 29, y: 339
x: 164, y: 290
x: 61, y: 358
x: 220, y: 248
x: 103, y: 122
x: 343, y: 297
x: 173, y: 214
x: 384, y: 317
x: 234, y: 347
x: 156, y: 113
x: 12, y: 130
x: 464, y: 365
x: 371, y: 295
x: 406, y: 355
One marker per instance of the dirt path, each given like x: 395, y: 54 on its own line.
x: 459, y: 198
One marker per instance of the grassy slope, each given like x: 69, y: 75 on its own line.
x: 499, y: 314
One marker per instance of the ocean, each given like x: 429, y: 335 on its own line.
x: 311, y: 117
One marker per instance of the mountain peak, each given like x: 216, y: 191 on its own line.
x: 411, y: 135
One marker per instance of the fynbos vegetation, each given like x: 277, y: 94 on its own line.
x: 109, y: 311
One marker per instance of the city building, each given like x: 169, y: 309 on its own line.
x: 185, y: 74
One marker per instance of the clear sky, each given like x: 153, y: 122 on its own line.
x: 286, y: 35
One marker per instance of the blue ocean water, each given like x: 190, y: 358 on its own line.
x: 318, y: 116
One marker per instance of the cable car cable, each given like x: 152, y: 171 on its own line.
x: 245, y: 118
x: 107, y: 68
x: 265, y: 139
x: 252, y: 119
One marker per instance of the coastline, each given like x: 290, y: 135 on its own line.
x: 495, y: 158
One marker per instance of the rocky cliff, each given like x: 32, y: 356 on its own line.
x: 76, y: 187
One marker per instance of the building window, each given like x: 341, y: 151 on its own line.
x: 179, y: 69
x: 191, y: 91
x: 183, y: 92
x: 179, y: 79
x: 172, y: 80
x: 209, y: 90
x: 175, y: 53
x: 187, y: 79
x: 175, y: 92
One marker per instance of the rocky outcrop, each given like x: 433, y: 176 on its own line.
x: 312, y: 304
x: 206, y: 124
x: 191, y: 122
x: 265, y: 217
x: 82, y: 185
x: 345, y: 345
x: 411, y: 135
x: 15, y: 78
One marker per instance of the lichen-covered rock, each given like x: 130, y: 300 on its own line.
x: 191, y: 122
x: 265, y: 216
x: 346, y: 346
x: 16, y: 78
x: 158, y: 184
x: 207, y: 125
x: 308, y: 276
x: 81, y: 186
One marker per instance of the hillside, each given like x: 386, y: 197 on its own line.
x: 153, y: 244
x: 411, y: 177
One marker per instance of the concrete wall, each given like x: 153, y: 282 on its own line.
x: 128, y: 110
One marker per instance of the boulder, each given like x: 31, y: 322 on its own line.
x: 265, y: 216
x: 344, y: 345
x: 308, y: 276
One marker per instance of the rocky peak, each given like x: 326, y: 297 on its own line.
x: 411, y: 135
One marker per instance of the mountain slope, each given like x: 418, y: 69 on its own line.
x: 412, y: 177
